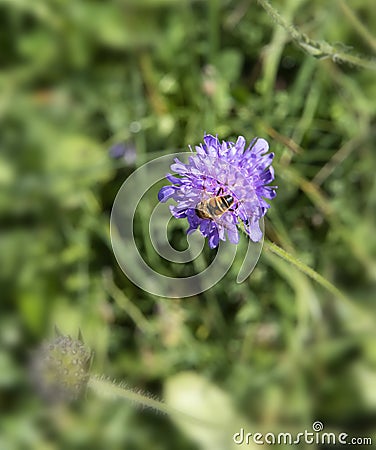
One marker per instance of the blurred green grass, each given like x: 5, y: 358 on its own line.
x: 79, y: 77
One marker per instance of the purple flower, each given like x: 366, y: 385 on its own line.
x: 125, y: 151
x: 222, y: 185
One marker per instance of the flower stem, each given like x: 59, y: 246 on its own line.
x: 358, y: 25
x: 107, y: 388
x: 304, y: 268
x: 363, y: 319
x: 318, y: 49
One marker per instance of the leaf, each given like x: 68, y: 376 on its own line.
x: 217, y: 420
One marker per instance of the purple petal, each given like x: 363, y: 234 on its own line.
x: 200, y: 150
x: 177, y: 212
x: 267, y: 192
x: 233, y: 235
x: 254, y: 231
x: 179, y: 167
x: 174, y: 180
x: 210, y: 141
x: 166, y: 192
x: 205, y: 227
x: 193, y: 220
x: 265, y: 161
x: 238, y: 148
x: 221, y: 232
x: 214, y: 239
x: 260, y: 146
x: 267, y: 176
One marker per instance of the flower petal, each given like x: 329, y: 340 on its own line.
x: 255, y: 232
x: 174, y: 180
x: 233, y: 235
x: 214, y: 240
x: 166, y: 192
x: 259, y: 146
x: 177, y: 212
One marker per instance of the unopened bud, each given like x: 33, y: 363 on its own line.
x: 60, y: 369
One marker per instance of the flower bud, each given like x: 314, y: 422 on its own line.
x: 60, y: 369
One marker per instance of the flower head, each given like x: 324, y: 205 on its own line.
x: 60, y: 368
x: 222, y: 185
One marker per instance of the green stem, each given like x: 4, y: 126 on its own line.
x: 358, y: 25
x: 108, y: 389
x: 305, y: 269
x: 126, y: 304
x: 214, y: 9
x: 318, y: 49
x: 361, y: 318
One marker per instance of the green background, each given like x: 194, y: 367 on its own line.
x: 277, y: 352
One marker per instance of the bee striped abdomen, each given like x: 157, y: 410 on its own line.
x: 214, y: 207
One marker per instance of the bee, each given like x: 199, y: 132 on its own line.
x: 214, y: 207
